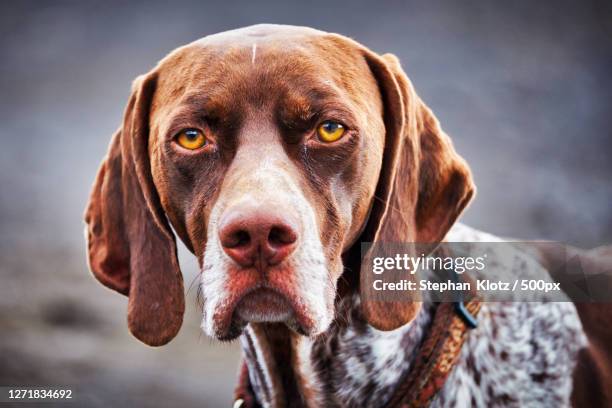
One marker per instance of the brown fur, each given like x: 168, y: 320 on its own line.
x: 131, y: 248
x: 424, y: 184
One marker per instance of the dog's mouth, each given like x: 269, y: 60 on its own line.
x: 262, y: 305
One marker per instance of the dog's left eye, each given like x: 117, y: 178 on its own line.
x: 191, y: 139
x: 330, y: 131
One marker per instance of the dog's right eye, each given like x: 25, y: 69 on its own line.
x: 191, y: 139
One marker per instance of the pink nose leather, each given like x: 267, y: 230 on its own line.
x: 254, y: 235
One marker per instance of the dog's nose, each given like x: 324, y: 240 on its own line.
x: 257, y: 235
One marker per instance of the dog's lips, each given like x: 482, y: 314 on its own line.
x: 260, y: 304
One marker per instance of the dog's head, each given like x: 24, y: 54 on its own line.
x: 271, y: 151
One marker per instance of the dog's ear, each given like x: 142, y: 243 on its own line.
x: 424, y: 184
x: 131, y: 247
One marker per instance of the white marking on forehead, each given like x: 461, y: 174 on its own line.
x: 253, y: 53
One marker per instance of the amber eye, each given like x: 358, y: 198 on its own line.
x: 330, y: 131
x: 191, y: 139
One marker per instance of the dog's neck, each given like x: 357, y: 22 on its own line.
x: 352, y: 364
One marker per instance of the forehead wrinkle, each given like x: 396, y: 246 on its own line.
x: 300, y: 112
x: 208, y: 103
x: 296, y: 106
x: 218, y: 103
x: 309, y: 99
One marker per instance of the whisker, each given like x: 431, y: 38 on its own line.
x: 383, y: 201
x: 191, y: 284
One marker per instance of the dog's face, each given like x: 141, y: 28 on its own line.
x: 288, y: 146
x: 266, y: 149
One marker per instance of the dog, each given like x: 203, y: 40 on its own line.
x: 273, y: 152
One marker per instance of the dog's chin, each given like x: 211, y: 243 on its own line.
x: 263, y: 306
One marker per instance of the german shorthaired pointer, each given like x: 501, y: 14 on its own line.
x: 273, y: 152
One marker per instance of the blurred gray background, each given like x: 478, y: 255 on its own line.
x: 524, y: 89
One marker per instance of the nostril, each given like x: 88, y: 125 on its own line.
x: 242, y: 238
x: 236, y: 239
x: 280, y: 236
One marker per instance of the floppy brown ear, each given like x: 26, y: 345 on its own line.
x: 423, y: 187
x: 130, y: 245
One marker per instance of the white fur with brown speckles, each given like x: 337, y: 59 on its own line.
x: 521, y: 354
